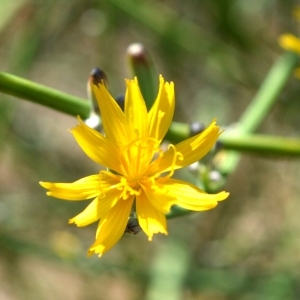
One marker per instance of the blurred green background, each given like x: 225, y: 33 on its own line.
x: 217, y: 53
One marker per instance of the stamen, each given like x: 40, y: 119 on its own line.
x: 154, y: 165
x: 138, y: 154
x: 127, y: 189
x: 177, y: 155
x: 120, y: 184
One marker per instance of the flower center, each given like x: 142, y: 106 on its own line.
x: 136, y: 157
x: 110, y: 181
x: 139, y: 169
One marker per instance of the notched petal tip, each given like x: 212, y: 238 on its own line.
x: 167, y: 86
x: 99, y: 250
x: 79, y: 119
x: 155, y: 227
x: 90, y: 253
x: 72, y: 221
x: 79, y: 221
x: 78, y: 126
x: 48, y: 186
x: 213, y: 125
x: 150, y: 237
x: 131, y: 81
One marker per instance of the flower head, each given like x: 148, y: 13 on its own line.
x: 290, y: 42
x: 138, y: 175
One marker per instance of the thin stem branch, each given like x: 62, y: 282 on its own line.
x: 268, y: 93
x: 43, y: 95
x: 178, y: 132
x: 262, y: 144
x: 259, y: 107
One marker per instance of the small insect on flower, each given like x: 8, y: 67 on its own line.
x: 139, y: 172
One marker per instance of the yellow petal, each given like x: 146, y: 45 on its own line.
x: 88, y: 216
x: 192, y: 149
x: 97, y: 147
x: 161, y: 113
x: 190, y: 197
x: 113, y: 119
x: 290, y: 42
x: 82, y: 189
x: 140, y: 150
x: 97, y: 208
x: 111, y: 227
x: 150, y: 219
x: 159, y: 198
x: 136, y: 116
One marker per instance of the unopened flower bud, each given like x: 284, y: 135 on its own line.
x: 215, y: 176
x: 196, y: 127
x: 97, y: 76
x: 143, y: 68
x: 194, y: 168
x: 120, y: 99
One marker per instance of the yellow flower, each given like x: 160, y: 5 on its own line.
x: 139, y: 173
x: 290, y: 42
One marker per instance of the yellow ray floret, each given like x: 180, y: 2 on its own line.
x: 139, y: 173
x: 290, y: 42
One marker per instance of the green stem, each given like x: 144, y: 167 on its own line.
x: 268, y: 92
x: 41, y: 94
x: 262, y: 144
x: 178, y: 132
x: 259, y: 107
x: 239, y: 138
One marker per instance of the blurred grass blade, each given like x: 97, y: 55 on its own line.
x: 168, y: 23
x: 168, y: 271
